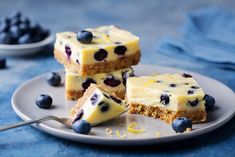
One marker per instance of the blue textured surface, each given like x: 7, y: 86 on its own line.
x: 150, y: 20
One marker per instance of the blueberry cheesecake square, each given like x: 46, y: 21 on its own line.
x: 115, y: 82
x: 97, y: 106
x: 97, y: 50
x: 166, y: 96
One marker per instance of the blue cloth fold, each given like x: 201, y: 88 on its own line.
x: 208, y: 34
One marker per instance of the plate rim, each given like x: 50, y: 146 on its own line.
x: 117, y: 141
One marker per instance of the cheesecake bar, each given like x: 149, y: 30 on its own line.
x: 97, y: 106
x: 111, y: 49
x: 166, y: 96
x: 115, y: 82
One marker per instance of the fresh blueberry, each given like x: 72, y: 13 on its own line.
x: 117, y: 100
x: 25, y: 39
x: 4, y: 27
x: 44, y: 101
x: 112, y: 81
x: 164, y: 99
x: 210, y: 102
x: 53, y: 79
x: 120, y: 50
x: 100, y: 55
x: 181, y: 124
x: 15, y: 31
x: 2, y: 63
x: 186, y: 75
x: 104, y: 107
x: 5, y: 38
x: 6, y: 20
x: 25, y: 20
x: 87, y: 83
x: 84, y: 36
x: 81, y: 127
x: 79, y: 115
x: 16, y: 14
x: 193, y: 103
x: 15, y: 21
x: 94, y: 98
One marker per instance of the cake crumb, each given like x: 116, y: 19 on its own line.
x: 109, y: 131
x: 157, y: 134
x: 188, y: 129
x: 118, y: 134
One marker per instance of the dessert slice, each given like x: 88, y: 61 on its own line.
x: 166, y: 96
x: 97, y: 106
x: 114, y: 82
x: 111, y: 48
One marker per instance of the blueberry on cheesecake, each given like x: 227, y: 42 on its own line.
x: 97, y: 106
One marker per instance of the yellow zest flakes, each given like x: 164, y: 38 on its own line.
x: 149, y: 82
x: 131, y: 128
x: 157, y: 134
x: 118, y: 134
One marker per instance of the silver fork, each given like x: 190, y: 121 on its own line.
x: 65, y: 121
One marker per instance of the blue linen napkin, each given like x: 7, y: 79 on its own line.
x: 208, y: 34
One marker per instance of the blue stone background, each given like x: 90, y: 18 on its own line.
x: 151, y: 20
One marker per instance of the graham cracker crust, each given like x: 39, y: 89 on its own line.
x: 75, y: 95
x: 101, y: 67
x: 166, y: 115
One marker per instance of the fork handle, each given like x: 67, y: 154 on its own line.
x: 23, y: 123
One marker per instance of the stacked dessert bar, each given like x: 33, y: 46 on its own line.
x: 102, y: 56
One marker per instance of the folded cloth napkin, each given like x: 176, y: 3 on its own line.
x: 207, y: 34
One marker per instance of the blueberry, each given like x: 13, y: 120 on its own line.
x: 186, y: 75
x: 94, y: 98
x: 100, y: 55
x: 44, y: 101
x: 104, y: 107
x: 4, y: 27
x: 84, y: 36
x: 2, y: 63
x: 16, y: 14
x: 181, y: 124
x: 15, y: 21
x: 172, y: 85
x: 112, y: 81
x: 5, y: 38
x: 120, y: 50
x: 15, y: 31
x: 79, y: 115
x: 81, y: 127
x: 53, y: 79
x: 193, y: 103
x: 25, y: 39
x: 68, y: 51
x: 6, y: 20
x: 164, y: 99
x: 117, y: 100
x: 87, y: 83
x: 25, y: 21
x: 210, y: 102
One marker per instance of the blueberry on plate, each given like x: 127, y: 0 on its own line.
x: 181, y: 124
x: 15, y: 31
x: 4, y: 27
x: 44, y: 101
x: 53, y: 79
x: 2, y: 62
x: 84, y: 36
x: 210, y: 102
x: 25, y: 39
x: 81, y: 127
x: 5, y: 38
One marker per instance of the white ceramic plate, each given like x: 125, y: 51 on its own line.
x: 23, y: 105
x: 24, y: 49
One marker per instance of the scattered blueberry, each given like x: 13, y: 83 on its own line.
x: 79, y: 115
x: 193, y: 103
x: 84, y: 36
x: 68, y: 51
x: 44, y: 101
x: 87, y: 83
x: 172, y: 85
x: 181, y: 124
x: 2, y: 63
x: 112, y: 81
x: 117, y: 100
x: 81, y: 127
x: 190, y: 92
x: 120, y: 50
x: 53, y: 79
x: 164, y: 99
x: 5, y: 38
x: 94, y: 98
x: 210, y: 102
x: 104, y: 107
x: 100, y: 55
x: 25, y: 39
x: 4, y: 27
x: 186, y: 75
